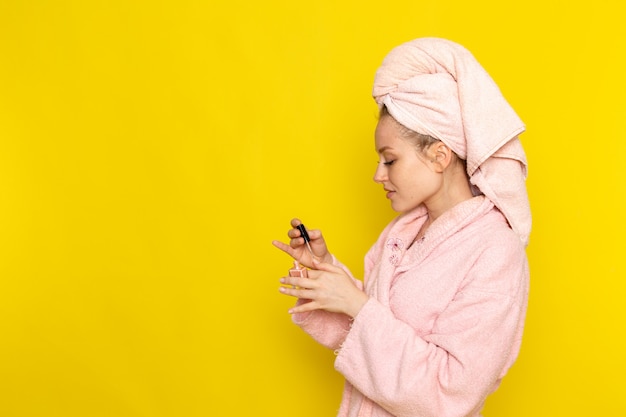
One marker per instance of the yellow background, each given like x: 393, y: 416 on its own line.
x: 151, y: 150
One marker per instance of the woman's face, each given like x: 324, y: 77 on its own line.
x: 408, y: 176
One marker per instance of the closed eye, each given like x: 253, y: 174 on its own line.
x: 389, y: 163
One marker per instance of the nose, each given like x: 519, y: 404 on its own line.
x: 380, y: 175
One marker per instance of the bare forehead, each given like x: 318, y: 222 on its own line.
x: 388, y: 135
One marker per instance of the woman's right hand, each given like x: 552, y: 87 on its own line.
x: 298, y: 249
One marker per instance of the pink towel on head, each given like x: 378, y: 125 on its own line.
x: 436, y: 87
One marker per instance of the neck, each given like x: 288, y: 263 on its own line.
x: 455, y: 189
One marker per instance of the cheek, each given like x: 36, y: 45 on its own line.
x: 405, y: 177
x: 415, y: 182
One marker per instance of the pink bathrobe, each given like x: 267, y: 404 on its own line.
x: 444, y: 320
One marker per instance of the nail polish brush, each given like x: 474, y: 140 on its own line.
x: 307, y: 239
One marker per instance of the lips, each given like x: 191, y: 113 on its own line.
x: 389, y: 193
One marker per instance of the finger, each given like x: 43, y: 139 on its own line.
x: 302, y: 283
x: 315, y: 234
x: 282, y: 246
x: 304, y: 308
x: 324, y: 266
x: 295, y: 222
x: 296, y: 238
x: 296, y: 243
x: 295, y: 292
x: 293, y: 233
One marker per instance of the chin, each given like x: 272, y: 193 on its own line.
x: 398, y: 208
x: 403, y: 208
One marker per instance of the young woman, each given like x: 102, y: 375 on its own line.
x: 437, y: 320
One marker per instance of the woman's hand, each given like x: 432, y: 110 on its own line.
x: 328, y: 287
x: 298, y: 250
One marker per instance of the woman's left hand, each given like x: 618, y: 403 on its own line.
x: 328, y: 287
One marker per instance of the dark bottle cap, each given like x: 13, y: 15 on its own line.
x: 304, y: 233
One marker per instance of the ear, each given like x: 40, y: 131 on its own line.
x: 440, y: 155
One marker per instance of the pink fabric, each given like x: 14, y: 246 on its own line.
x: 439, y: 331
x: 436, y: 87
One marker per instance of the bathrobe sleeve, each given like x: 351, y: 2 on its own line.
x: 328, y: 329
x: 451, y: 370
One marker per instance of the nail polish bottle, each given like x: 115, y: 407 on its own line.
x: 298, y: 271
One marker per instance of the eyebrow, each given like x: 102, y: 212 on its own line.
x: 384, y: 148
